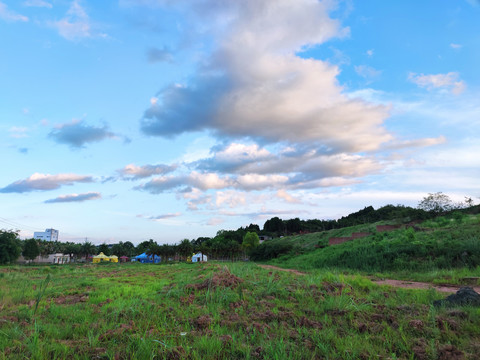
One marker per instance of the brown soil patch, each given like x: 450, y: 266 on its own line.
x: 420, y: 349
x: 116, y: 332
x: 222, y: 279
x: 449, y: 352
x: 421, y: 285
x: 202, y: 322
x: 293, y: 271
x: 71, y: 299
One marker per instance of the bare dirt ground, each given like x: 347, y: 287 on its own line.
x: 446, y: 288
x: 271, y: 267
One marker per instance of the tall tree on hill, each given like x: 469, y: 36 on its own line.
x: 274, y: 225
x: 436, y: 203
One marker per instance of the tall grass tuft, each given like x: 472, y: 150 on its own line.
x: 41, y: 292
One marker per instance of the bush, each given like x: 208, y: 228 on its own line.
x: 10, y: 247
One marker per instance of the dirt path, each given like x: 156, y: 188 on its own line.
x: 395, y: 283
x: 271, y: 267
x: 421, y: 285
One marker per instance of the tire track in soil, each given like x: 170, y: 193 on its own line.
x: 405, y: 284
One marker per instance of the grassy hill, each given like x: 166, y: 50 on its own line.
x: 439, y: 243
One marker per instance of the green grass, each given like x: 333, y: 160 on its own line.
x: 218, y: 311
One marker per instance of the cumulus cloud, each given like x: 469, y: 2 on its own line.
x: 44, y: 182
x: 449, y: 81
x: 76, y: 134
x: 9, y: 15
x: 133, y: 172
x: 309, y: 163
x: 255, y: 85
x: 75, y: 197
x: 456, y: 46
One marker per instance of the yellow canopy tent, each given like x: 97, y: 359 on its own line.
x: 114, y: 258
x: 100, y: 257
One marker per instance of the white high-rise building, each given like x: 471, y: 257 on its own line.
x: 49, y: 234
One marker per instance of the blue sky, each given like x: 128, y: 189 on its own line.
x: 136, y: 119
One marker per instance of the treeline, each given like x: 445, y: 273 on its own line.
x: 232, y: 245
x: 277, y: 227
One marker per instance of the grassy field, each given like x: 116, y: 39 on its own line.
x: 222, y: 311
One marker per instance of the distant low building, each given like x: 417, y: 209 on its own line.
x: 263, y: 238
x: 57, y: 258
x: 48, y: 234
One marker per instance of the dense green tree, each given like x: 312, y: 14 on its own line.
x: 154, y: 250
x: 123, y: 249
x: 10, y: 247
x: 253, y: 227
x: 87, y: 249
x: 30, y: 249
x: 185, y: 248
x: 293, y: 225
x: 143, y: 246
x: 250, y: 241
x: 274, y: 225
x: 104, y: 248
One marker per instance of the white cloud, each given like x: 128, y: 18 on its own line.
x: 449, y: 81
x: 368, y: 72
x: 76, y: 24
x: 37, y: 3
x: 132, y: 171
x: 9, y: 15
x: 18, y: 132
x: 370, y: 52
x: 262, y: 90
x: 75, y: 197
x: 456, y: 46
x: 282, y: 194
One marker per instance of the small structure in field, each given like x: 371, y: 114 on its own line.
x: 124, y: 258
x: 199, y: 257
x: 100, y: 257
x: 144, y: 258
x: 113, y: 258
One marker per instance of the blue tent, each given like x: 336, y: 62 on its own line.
x: 144, y: 258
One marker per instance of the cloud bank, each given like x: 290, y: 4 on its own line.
x: 43, y: 182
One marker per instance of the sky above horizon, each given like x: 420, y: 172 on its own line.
x: 132, y: 120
